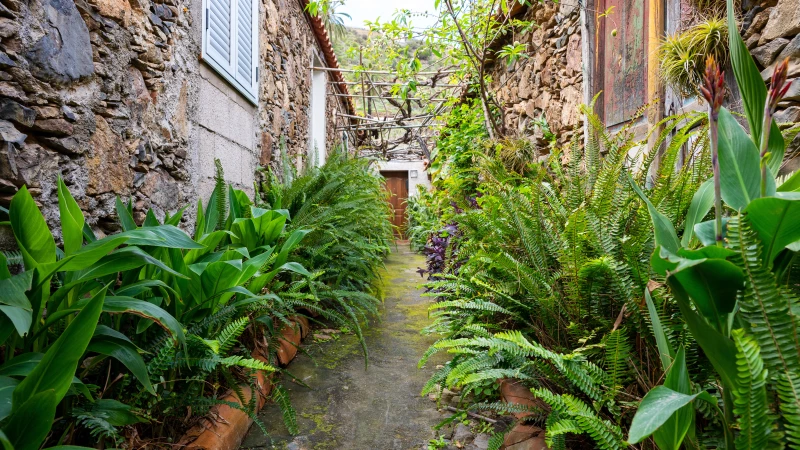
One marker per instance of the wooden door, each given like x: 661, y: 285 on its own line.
x: 397, y: 185
x: 621, y: 61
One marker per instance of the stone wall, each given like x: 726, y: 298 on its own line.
x: 772, y: 33
x: 549, y: 83
x: 111, y: 95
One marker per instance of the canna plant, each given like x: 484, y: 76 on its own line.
x: 737, y: 290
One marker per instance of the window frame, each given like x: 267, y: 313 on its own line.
x: 228, y: 71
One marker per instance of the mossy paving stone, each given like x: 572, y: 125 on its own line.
x: 349, y: 407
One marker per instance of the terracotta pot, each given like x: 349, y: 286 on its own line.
x: 225, y: 428
x: 289, y: 341
x: 525, y: 437
x: 513, y: 391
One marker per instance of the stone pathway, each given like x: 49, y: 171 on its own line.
x: 353, y: 408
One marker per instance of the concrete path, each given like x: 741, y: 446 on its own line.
x: 353, y: 408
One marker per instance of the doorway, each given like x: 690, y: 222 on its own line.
x: 397, y: 185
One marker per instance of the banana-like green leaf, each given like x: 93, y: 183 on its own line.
x: 125, y: 216
x: 674, y: 430
x: 792, y: 184
x: 72, y: 220
x: 30, y: 423
x: 706, y: 232
x: 127, y: 305
x: 7, y: 386
x: 665, y: 350
x: 713, y: 285
x: 655, y: 409
x: 291, y: 243
x: 122, y: 260
x: 166, y: 236
x: 739, y: 164
x: 21, y: 318
x: 777, y: 222
x: 665, y: 234
x: 57, y: 368
x: 702, y: 202
x: 720, y: 350
x: 109, y: 342
x: 30, y: 230
x: 21, y: 365
x: 748, y: 77
x: 12, y: 290
x: 219, y: 276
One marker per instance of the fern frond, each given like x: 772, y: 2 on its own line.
x: 750, y: 394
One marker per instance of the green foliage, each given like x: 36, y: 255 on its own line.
x: 135, y: 329
x: 552, y: 257
x: 731, y: 292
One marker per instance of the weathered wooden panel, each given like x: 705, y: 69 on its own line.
x: 624, y: 56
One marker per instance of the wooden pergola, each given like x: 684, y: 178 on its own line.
x: 395, y: 119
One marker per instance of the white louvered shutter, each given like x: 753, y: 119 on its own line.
x: 230, y: 43
x: 218, y: 38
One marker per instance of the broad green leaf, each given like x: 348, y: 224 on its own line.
x: 655, y: 409
x: 125, y: 216
x: 87, y: 255
x: 673, y: 432
x: 777, y: 222
x: 702, y: 203
x: 122, y: 260
x: 166, y: 236
x: 116, y: 345
x: 72, y: 220
x: 739, y: 163
x: 127, y: 305
x: 7, y: 386
x: 748, y: 77
x: 706, y: 232
x: 665, y: 351
x: 21, y: 318
x: 200, y: 224
x: 30, y: 423
x: 792, y: 184
x: 291, y: 243
x: 12, y: 290
x: 776, y: 147
x: 30, y: 230
x: 4, y: 272
x: 57, y: 368
x: 713, y: 285
x: 21, y: 365
x: 720, y: 350
x: 664, y: 230
x: 219, y: 276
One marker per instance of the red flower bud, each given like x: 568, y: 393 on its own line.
x: 779, y: 87
x: 713, y: 88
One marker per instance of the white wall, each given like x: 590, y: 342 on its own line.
x: 409, y: 166
x: 318, y: 119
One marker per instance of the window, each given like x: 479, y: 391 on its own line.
x: 318, y: 136
x: 230, y: 42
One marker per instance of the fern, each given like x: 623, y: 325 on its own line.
x: 221, y: 192
x: 604, y: 433
x: 228, y: 336
x: 787, y: 388
x: 750, y: 395
x: 281, y: 397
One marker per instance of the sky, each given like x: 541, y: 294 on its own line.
x: 361, y: 10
